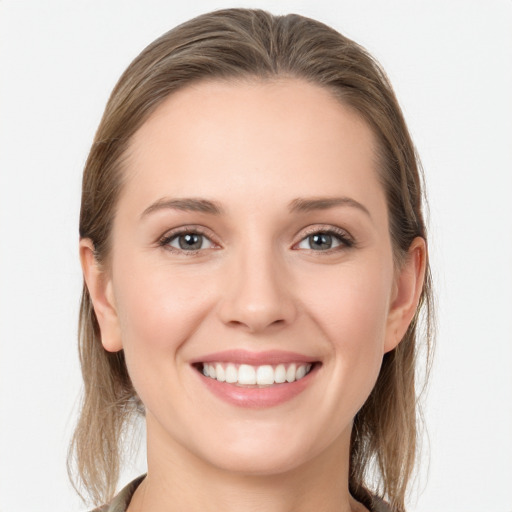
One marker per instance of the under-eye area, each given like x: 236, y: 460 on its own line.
x: 256, y: 375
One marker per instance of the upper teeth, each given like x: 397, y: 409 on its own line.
x: 247, y: 375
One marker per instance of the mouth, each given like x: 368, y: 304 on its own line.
x: 261, y: 376
x: 256, y: 380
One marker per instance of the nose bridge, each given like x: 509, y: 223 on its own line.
x: 257, y: 294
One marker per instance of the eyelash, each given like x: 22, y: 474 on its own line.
x: 344, y: 239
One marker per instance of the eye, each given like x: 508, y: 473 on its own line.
x: 325, y: 240
x: 188, y: 241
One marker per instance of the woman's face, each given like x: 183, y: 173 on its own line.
x: 251, y: 243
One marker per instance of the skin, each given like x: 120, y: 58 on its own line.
x: 257, y: 284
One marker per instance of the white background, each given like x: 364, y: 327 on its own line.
x: 451, y: 65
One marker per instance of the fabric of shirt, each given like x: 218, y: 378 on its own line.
x: 122, y: 500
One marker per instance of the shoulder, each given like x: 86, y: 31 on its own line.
x: 379, y: 505
x: 122, y: 499
x: 371, y: 501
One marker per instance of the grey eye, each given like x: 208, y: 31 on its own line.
x: 190, y: 242
x: 320, y: 241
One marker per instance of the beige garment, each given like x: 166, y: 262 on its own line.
x: 122, y: 500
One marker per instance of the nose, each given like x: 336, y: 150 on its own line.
x: 258, y: 293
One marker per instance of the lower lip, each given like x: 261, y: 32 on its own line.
x: 257, y: 398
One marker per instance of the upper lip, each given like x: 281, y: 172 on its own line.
x: 270, y: 357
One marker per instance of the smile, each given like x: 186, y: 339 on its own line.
x: 256, y: 380
x: 249, y: 375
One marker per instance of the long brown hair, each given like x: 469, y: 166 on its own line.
x: 242, y: 43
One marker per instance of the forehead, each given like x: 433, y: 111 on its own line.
x: 258, y: 138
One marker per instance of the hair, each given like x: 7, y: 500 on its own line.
x: 236, y: 44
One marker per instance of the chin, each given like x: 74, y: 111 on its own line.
x: 269, y: 453
x: 261, y: 464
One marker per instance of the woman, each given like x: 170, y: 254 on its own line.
x: 254, y: 256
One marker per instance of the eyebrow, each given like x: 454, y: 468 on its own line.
x: 324, y: 203
x: 296, y: 205
x: 190, y: 204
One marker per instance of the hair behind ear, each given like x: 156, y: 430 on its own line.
x: 107, y: 403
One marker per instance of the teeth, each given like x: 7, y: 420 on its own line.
x: 220, y: 373
x: 290, y: 373
x: 231, y: 374
x: 248, y: 375
x: 265, y: 375
x: 301, y: 372
x: 280, y: 374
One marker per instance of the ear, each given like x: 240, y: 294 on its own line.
x: 406, y: 293
x: 100, y: 289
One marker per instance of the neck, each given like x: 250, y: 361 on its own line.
x: 179, y: 480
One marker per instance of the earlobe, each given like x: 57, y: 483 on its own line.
x: 100, y: 290
x: 408, y: 288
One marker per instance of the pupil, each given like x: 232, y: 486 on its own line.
x: 320, y: 241
x: 190, y: 241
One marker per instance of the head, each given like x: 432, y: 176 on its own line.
x: 252, y: 49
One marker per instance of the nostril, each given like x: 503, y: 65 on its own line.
x: 254, y: 324
x: 256, y: 303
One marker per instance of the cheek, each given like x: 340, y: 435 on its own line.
x: 352, y: 304
x: 158, y: 309
x: 159, y: 312
x: 352, y: 308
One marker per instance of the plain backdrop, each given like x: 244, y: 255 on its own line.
x: 451, y: 65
